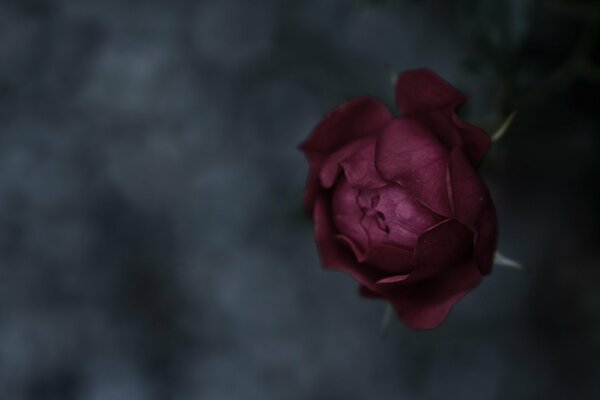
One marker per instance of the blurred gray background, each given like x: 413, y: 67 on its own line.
x: 152, y: 241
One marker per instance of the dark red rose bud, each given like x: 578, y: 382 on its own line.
x: 397, y: 202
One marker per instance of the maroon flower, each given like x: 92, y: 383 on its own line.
x: 397, y: 203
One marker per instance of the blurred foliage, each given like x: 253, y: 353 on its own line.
x: 500, y: 24
x: 587, y: 9
x: 379, y: 2
x: 498, y: 32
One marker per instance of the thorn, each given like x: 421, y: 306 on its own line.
x: 504, y: 127
x: 391, y: 73
x: 500, y: 259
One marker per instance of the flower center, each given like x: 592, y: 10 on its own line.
x: 378, y: 216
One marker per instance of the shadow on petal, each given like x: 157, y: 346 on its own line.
x: 441, y: 247
x: 423, y: 90
x: 333, y: 254
x: 426, y: 304
x: 406, y: 152
x: 476, y: 142
x: 470, y: 197
x: 352, y: 120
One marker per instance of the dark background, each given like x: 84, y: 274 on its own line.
x: 152, y: 241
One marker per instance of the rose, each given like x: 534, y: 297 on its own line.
x: 397, y: 203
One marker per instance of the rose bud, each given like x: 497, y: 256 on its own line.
x: 396, y: 201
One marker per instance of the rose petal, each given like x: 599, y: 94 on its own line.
x: 473, y: 207
x: 352, y: 120
x: 331, y: 168
x: 332, y: 253
x: 441, y: 247
x: 426, y: 96
x: 469, y: 196
x: 312, y: 188
x: 346, y: 214
x: 423, y: 90
x: 439, y: 123
x: 389, y: 259
x: 408, y: 153
x: 454, y: 132
x: 357, y: 160
x: 359, y: 168
x: 403, y: 217
x: 381, y: 258
x: 476, y: 142
x: 359, y: 254
x: 424, y: 305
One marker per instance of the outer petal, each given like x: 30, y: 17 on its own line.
x: 360, y: 168
x: 469, y: 195
x: 331, y: 168
x: 423, y: 90
x: 352, y: 120
x: 454, y: 132
x: 357, y: 160
x: 390, y: 259
x: 382, y: 260
x: 476, y: 142
x: 408, y: 153
x: 441, y: 247
x: 312, y: 187
x: 333, y: 253
x: 424, y: 305
x: 473, y: 207
x: 429, y: 98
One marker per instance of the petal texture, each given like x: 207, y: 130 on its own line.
x: 424, y: 305
x: 331, y: 168
x: 359, y: 168
x: 352, y: 120
x: 424, y: 95
x: 390, y: 259
x: 473, y: 207
x: 441, y: 247
x: 347, y: 215
x: 392, y: 216
x: 423, y: 90
x: 333, y: 253
x: 407, y: 153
